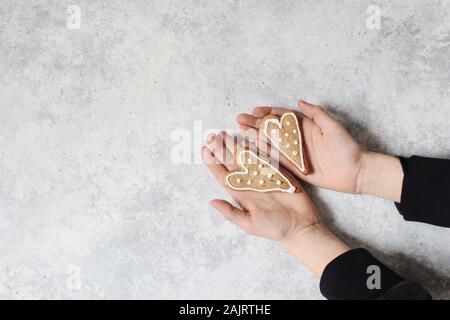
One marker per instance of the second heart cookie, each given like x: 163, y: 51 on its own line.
x: 285, y: 135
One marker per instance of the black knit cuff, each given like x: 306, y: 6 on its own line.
x: 426, y: 191
x: 357, y: 275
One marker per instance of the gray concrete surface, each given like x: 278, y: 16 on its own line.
x: 91, y: 203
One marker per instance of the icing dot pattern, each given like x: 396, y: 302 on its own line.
x: 286, y: 136
x: 259, y: 176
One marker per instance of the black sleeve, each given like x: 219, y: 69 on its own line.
x: 426, y: 191
x: 358, y: 275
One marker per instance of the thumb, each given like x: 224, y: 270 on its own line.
x: 231, y: 213
x: 318, y: 115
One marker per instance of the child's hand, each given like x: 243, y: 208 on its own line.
x: 337, y: 161
x: 276, y: 216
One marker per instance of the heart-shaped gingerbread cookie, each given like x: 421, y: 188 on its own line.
x: 256, y: 174
x: 286, y: 136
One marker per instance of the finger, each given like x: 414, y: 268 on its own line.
x: 318, y: 115
x: 249, y: 145
x: 221, y: 152
x: 250, y: 133
x: 231, y: 143
x: 243, y: 129
x: 233, y: 214
x: 261, y: 112
x: 210, y: 138
x: 233, y: 148
x: 247, y: 120
x: 217, y: 169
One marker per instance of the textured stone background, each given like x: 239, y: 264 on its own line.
x: 86, y: 180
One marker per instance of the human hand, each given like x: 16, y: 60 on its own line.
x: 336, y: 160
x: 290, y: 218
x: 276, y: 215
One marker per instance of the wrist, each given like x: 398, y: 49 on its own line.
x: 380, y: 175
x: 304, y: 233
x: 315, y: 246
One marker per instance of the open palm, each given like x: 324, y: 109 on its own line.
x: 276, y: 216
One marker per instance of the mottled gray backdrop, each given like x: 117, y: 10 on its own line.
x: 91, y: 203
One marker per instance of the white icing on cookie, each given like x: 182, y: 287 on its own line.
x: 301, y: 166
x: 245, y: 171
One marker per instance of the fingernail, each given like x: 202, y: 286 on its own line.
x: 205, y: 151
x: 210, y: 138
